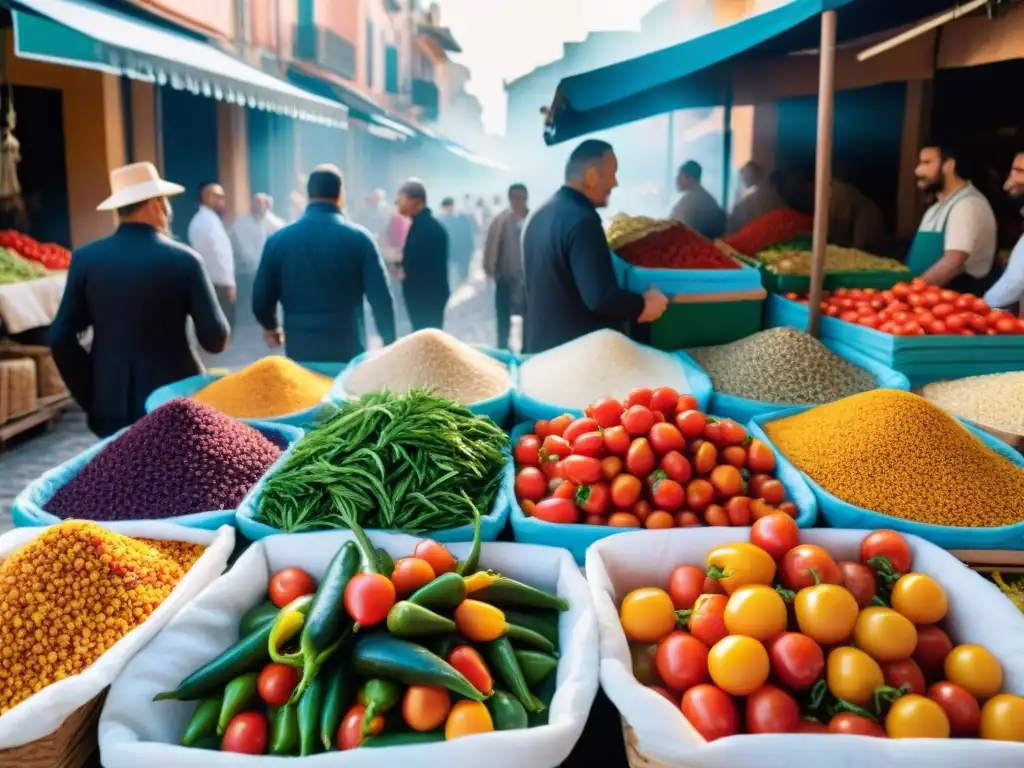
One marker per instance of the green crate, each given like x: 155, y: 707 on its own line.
x: 833, y: 280
x: 702, y: 324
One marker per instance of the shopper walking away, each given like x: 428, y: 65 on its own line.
x: 424, y: 259
x: 319, y: 269
x: 248, y: 236
x: 1008, y: 292
x: 136, y: 289
x: 461, y: 231
x: 208, y: 235
x: 503, y: 260
x: 696, y: 208
x: 570, y: 286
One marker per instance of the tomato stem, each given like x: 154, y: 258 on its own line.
x: 683, y: 617
x: 814, y: 575
x: 845, y: 706
x: 787, y: 594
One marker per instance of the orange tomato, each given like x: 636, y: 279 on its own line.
x: 687, y: 519
x: 595, y: 520
x: 716, y: 516
x: 727, y: 481
x: 647, y: 615
x: 440, y: 559
x: 625, y: 491
x: 760, y: 458
x: 410, y: 574
x: 738, y: 665
x: 705, y: 458
x: 659, y: 519
x: 641, y: 509
x: 611, y: 466
x: 699, y: 494
x: 425, y: 708
x: 623, y: 520
x: 733, y: 433
x: 467, y: 718
x: 735, y: 455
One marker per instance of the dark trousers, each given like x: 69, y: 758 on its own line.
x: 226, y: 306
x: 425, y: 314
x: 507, y: 297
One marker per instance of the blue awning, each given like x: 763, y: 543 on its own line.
x: 87, y: 35
x: 697, y: 73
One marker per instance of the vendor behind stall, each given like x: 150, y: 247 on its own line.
x: 955, y: 245
x: 1008, y: 292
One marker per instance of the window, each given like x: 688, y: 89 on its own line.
x: 369, y: 54
x: 391, y: 69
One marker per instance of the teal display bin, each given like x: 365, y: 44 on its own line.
x: 675, y: 282
x: 29, y: 505
x: 839, y: 514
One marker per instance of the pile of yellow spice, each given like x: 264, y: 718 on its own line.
x: 271, y: 387
x: 68, y: 595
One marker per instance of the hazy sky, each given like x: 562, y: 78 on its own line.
x: 503, y: 39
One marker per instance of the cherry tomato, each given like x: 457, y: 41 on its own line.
x: 626, y: 490
x: 435, y: 553
x: 916, y: 717
x: 643, y: 657
x: 933, y: 645
x: 677, y: 466
x: 531, y: 484
x: 738, y: 665
x: 350, y: 733
x: 707, y: 621
x: 637, y: 421
x: 855, y: 725
x: 796, y: 660
x: 735, y: 455
x: 804, y: 562
x: 659, y: 519
x: 557, y: 510
x: 425, y: 708
x: 1002, y: 718
x: 667, y: 494
x: 611, y: 467
x: 733, y: 433
x: 664, y: 399
x: 666, y: 437
x: 589, y: 444
x: 755, y: 484
x: 690, y: 423
x: 277, y: 682
x: 580, y: 427
x: 885, y: 634
x: 687, y: 519
x: 595, y: 520
x: 559, y: 424
x: 639, y: 396
x: 713, y: 432
x: 624, y: 520
x: 727, y: 480
x: 647, y: 615
x: 760, y: 508
x: 564, y: 489
x: 811, y: 726
x: 904, y: 673
x: 410, y: 574
x: 368, y: 598
x: 960, y: 706
x: 582, y: 470
x: 593, y: 499
x: 975, y: 669
x: 711, y: 711
x: 737, y: 509
x: 859, y: 581
x: 607, y: 411
x: 757, y: 611
x: 246, y: 734
x: 789, y: 508
x: 826, y: 613
x: 682, y: 661
x: 640, y: 459
x: 528, y: 450
x: 289, y: 584
x: 716, y: 516
x: 776, y: 534
x: 920, y: 598
x: 616, y: 441
x: 685, y: 585
x: 853, y: 676
x: 888, y: 544
x: 699, y: 494
x: 773, y: 492
x: 687, y: 403
x: 705, y: 458
x: 771, y: 710
x: 554, y: 447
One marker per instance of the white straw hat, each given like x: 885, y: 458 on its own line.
x: 136, y: 183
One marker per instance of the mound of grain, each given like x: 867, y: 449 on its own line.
x: 601, y: 364
x: 270, y: 387
x: 996, y: 400
x: 431, y: 359
x: 782, y: 365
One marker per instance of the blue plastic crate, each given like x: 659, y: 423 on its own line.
x: 743, y: 409
x: 304, y: 419
x: 498, y: 409
x: 527, y: 408
x: 28, y: 509
x: 578, y: 537
x: 839, y: 514
x: 673, y: 282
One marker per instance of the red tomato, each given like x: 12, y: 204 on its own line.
x: 773, y: 492
x: 350, y: 733
x: 859, y: 582
x: 936, y: 328
x: 691, y: 423
x: 667, y: 494
x: 564, y: 489
x: 607, y: 411
x: 289, y: 584
x: 625, y: 491
x: 738, y: 511
x: 933, y: 645
x: 664, y: 399
x: 589, y: 444
x: 699, y: 494
x: 802, y: 563
x: 733, y: 433
x: 755, y: 483
x: 677, y: 466
x: 528, y: 450
x: 711, y: 711
x: 707, y: 621
x: 961, y: 708
x: 855, y: 725
x: 580, y: 469
x: 682, y: 661
x: 593, y: 499
x: 797, y: 661
x: 531, y: 484
x: 1006, y: 326
x: 888, y: 544
x: 687, y: 403
x: 611, y: 467
x: 637, y: 421
x: 811, y: 726
x: 705, y: 457
x: 277, y: 682
x: 687, y: 519
x: 246, y: 734
x: 955, y: 324
x: 977, y: 323
x: 616, y: 441
x: 943, y: 309
x: 369, y: 597
x: 715, y: 515
x: 776, y: 534
x: 556, y: 510
x: 559, y: 424
x: 639, y: 396
x: 904, y: 672
x: 554, y: 446
x: 965, y: 302
x: 437, y: 554
x: 640, y: 459
x: 771, y: 710
x: 666, y: 437
x: 714, y: 432
x: 685, y: 585
x: 789, y: 508
x: 580, y: 427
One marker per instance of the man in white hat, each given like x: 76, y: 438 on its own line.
x: 135, y: 289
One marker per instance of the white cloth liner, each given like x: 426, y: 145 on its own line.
x: 978, y: 613
x: 44, y: 712
x: 136, y: 732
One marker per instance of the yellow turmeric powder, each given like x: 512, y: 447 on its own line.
x: 273, y: 386
x: 896, y: 453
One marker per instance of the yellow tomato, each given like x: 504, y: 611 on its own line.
x: 756, y: 611
x: 1002, y: 718
x: 740, y: 564
x: 853, y: 676
x: 884, y: 634
x: 467, y: 718
x: 647, y: 615
x: 826, y: 613
x: 738, y: 665
x: 916, y: 717
x: 975, y: 670
x: 920, y: 598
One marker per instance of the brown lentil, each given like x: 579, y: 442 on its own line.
x: 68, y: 595
x: 896, y: 453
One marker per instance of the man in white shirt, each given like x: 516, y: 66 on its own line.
x: 1008, y: 292
x: 208, y: 235
x: 955, y: 246
x: 248, y: 235
x: 696, y: 208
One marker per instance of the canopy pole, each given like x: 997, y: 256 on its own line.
x: 823, y: 165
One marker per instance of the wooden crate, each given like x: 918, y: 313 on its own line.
x: 21, y: 387
x: 70, y: 746
x: 49, y: 383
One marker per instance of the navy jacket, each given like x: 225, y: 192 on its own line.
x: 319, y: 268
x: 135, y: 289
x: 425, y: 263
x: 570, y: 285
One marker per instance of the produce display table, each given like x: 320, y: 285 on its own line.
x: 32, y: 304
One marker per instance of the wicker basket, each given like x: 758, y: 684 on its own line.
x: 70, y: 746
x: 634, y: 756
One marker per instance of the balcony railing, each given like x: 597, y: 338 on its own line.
x: 329, y: 50
x: 425, y: 96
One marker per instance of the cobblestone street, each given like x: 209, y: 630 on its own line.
x: 470, y: 317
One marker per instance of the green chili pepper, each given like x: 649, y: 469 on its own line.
x: 501, y: 657
x: 257, y: 617
x: 507, y: 712
x: 380, y: 655
x: 338, y: 679
x: 239, y: 695
x: 385, y: 565
x: 327, y: 622
x: 442, y: 594
x: 284, y: 738
x: 468, y: 566
x: 309, y: 710
x: 440, y: 645
x: 405, y: 738
x: 514, y: 594
x: 406, y: 619
x: 203, y: 722
x: 210, y: 743
x: 529, y: 637
x: 542, y: 622
x: 535, y: 666
x: 370, y: 562
x: 378, y: 696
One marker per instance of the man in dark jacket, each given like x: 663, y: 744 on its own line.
x: 319, y: 268
x: 424, y: 259
x: 135, y: 289
x: 570, y: 285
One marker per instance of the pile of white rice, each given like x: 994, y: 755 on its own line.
x: 601, y: 364
x: 431, y: 359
